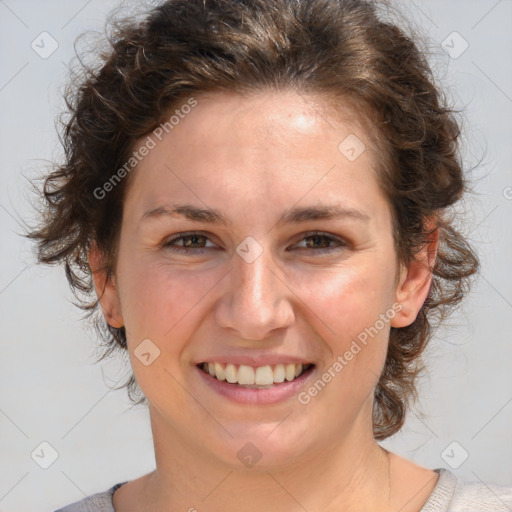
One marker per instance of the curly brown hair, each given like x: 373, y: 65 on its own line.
x: 341, y: 49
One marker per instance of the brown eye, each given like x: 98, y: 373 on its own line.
x: 189, y: 242
x: 320, y: 242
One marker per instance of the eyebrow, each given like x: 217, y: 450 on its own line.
x: 293, y: 216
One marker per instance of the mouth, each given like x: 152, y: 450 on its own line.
x: 261, y: 377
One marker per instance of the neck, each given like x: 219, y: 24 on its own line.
x: 352, y: 475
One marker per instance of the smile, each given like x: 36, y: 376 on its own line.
x: 261, y: 377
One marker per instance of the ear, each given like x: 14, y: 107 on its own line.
x: 415, y: 280
x: 106, y: 288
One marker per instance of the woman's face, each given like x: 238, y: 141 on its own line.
x: 250, y: 283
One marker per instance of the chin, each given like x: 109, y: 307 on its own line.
x: 262, y: 446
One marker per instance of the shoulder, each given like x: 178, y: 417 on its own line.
x: 99, y: 502
x: 452, y: 494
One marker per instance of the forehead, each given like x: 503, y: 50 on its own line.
x: 267, y: 119
x: 272, y: 147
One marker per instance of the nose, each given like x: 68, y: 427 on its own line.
x: 256, y: 300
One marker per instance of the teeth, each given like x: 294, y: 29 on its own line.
x: 230, y: 373
x: 219, y: 371
x: 264, y: 376
x: 279, y: 373
x: 245, y: 374
x: 249, y: 376
x: 289, y: 371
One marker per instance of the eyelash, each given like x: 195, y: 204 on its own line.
x: 168, y: 244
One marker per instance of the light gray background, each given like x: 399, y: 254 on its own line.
x: 50, y: 390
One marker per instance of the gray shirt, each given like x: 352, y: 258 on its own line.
x: 451, y: 494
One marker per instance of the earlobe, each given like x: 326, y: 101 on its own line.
x: 105, y: 286
x: 414, y: 284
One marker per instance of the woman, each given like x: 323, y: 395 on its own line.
x: 258, y: 195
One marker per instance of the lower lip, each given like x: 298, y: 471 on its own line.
x: 278, y: 393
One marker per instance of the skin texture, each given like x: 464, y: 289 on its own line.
x: 252, y: 158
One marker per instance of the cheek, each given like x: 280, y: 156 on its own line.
x: 165, y: 306
x: 158, y: 299
x: 348, y: 300
x: 352, y: 313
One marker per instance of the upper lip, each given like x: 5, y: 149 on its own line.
x: 255, y: 360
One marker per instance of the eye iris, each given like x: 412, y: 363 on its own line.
x: 316, y: 238
x: 189, y: 237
